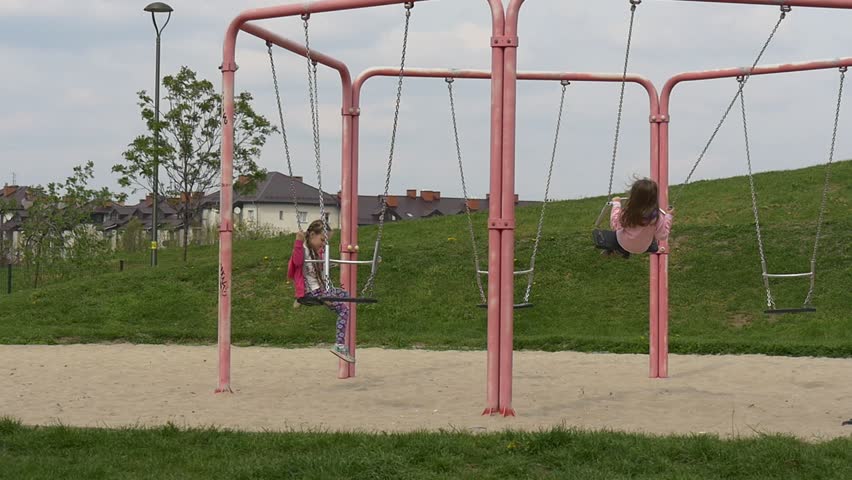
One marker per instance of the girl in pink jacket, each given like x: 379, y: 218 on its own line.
x: 309, y: 280
x: 640, y: 224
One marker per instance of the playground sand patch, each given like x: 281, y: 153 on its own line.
x: 404, y: 390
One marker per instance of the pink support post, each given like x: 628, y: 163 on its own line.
x: 663, y: 179
x: 495, y: 209
x: 226, y: 226
x: 229, y: 67
x: 505, y: 223
x: 353, y: 118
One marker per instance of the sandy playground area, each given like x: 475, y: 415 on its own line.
x: 403, y: 390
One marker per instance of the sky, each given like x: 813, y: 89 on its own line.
x: 72, y: 70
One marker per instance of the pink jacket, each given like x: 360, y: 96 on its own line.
x: 295, y: 268
x: 638, y: 239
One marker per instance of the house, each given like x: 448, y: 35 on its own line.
x: 114, y: 217
x: 411, y: 206
x: 270, y: 205
x: 11, y: 221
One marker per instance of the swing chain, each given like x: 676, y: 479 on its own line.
x: 633, y: 5
x: 770, y: 302
x: 531, y: 276
x: 476, y: 262
x: 746, y: 76
x: 284, y: 135
x: 368, y: 286
x: 313, y: 94
x: 825, y: 187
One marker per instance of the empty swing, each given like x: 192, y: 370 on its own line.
x: 807, y: 306
x: 313, y: 94
x: 529, y: 272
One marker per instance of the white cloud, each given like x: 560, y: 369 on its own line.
x: 71, y: 94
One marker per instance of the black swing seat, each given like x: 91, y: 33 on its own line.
x: 607, y: 240
x: 311, y: 301
x: 778, y: 311
x: 517, y: 306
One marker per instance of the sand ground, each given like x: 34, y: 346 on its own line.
x: 404, y: 390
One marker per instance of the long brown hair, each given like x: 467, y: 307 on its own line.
x: 317, y: 227
x: 642, y: 207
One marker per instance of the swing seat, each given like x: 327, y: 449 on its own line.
x: 608, y: 240
x: 517, y: 306
x: 311, y: 301
x: 778, y: 311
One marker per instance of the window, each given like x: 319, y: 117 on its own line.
x: 303, y: 217
x: 281, y: 215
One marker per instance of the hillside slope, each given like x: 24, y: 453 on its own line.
x: 582, y: 301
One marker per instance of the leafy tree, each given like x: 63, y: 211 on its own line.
x: 59, y: 227
x: 190, y: 143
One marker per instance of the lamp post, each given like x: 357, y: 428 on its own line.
x: 155, y: 8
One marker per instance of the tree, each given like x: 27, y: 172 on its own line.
x: 190, y: 143
x: 58, y: 226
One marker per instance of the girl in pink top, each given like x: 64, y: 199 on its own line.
x: 640, y: 224
x: 309, y: 280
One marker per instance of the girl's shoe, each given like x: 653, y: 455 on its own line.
x: 342, y: 352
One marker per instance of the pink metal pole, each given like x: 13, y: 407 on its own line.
x: 792, y: 3
x: 665, y: 101
x: 505, y: 223
x: 229, y: 67
x: 492, y: 401
x: 226, y: 228
x: 353, y: 119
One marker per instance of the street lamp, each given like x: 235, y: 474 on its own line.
x: 155, y: 8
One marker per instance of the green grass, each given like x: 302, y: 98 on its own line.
x: 583, y: 301
x: 169, y: 452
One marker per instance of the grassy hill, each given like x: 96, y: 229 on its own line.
x: 582, y: 301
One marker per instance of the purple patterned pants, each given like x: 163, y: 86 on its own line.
x: 341, y: 309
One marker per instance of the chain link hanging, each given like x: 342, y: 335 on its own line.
x: 531, y: 275
x: 825, y: 187
x: 368, y: 286
x: 284, y: 136
x: 633, y: 5
x: 476, y: 262
x: 313, y: 94
x: 784, y: 10
x: 770, y: 301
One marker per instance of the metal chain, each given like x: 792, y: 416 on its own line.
x: 784, y: 10
x: 284, y: 135
x: 825, y: 187
x: 770, y: 302
x: 476, y: 262
x: 633, y: 5
x: 313, y: 95
x: 368, y: 286
x: 531, y: 275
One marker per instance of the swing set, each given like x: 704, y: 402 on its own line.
x: 498, y: 296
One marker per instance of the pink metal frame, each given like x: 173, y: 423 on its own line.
x: 499, y: 362
x: 501, y: 222
x: 663, y: 172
